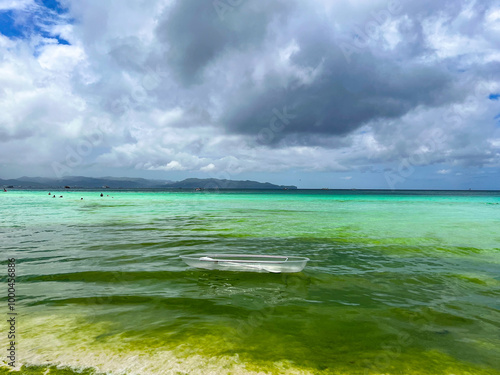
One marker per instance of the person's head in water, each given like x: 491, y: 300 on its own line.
x: 102, y: 195
x: 81, y: 199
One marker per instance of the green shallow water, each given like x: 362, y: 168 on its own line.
x: 403, y: 283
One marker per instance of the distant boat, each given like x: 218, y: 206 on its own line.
x: 247, y: 263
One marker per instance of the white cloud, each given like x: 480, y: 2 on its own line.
x: 174, y: 166
x: 15, y: 4
x: 60, y: 58
x: 208, y: 168
x: 116, y: 69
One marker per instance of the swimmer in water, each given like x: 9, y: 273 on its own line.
x: 102, y: 195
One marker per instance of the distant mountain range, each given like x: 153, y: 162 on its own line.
x: 79, y: 182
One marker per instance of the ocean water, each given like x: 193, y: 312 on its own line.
x: 398, y: 283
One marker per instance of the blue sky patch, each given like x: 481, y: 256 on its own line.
x: 37, y: 20
x: 53, y: 5
x: 494, y: 96
x: 8, y: 25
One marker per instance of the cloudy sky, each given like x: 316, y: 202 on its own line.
x: 317, y: 93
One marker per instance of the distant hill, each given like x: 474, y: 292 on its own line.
x: 19, y: 183
x: 213, y: 183
x: 80, y: 182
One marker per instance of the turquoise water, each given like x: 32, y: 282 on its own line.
x: 403, y: 283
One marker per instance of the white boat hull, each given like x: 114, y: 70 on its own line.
x: 246, y: 263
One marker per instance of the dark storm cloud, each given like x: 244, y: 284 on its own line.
x: 196, y: 34
x: 342, y: 99
x: 345, y: 94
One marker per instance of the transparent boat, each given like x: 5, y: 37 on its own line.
x: 248, y: 263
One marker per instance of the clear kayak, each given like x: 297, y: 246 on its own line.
x: 248, y: 263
